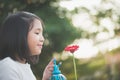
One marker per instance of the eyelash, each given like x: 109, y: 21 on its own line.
x: 37, y: 33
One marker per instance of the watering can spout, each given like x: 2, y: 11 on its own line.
x: 56, y: 74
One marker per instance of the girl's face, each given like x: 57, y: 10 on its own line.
x: 35, y: 38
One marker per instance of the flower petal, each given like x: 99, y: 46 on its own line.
x: 72, y: 49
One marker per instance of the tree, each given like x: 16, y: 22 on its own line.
x: 59, y: 31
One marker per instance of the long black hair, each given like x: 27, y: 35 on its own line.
x: 13, y: 36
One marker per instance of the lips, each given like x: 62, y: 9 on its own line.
x: 39, y: 45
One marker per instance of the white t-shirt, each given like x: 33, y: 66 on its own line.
x: 13, y: 70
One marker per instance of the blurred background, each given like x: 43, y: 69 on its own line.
x: 94, y: 25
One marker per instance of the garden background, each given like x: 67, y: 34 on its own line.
x: 94, y: 25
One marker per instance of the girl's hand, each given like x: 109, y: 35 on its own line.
x: 48, y: 71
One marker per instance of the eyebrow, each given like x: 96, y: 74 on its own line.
x: 39, y: 29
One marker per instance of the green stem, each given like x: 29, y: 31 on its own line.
x: 75, y: 67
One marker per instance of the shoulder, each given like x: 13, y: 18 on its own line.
x: 7, y: 63
x: 9, y: 68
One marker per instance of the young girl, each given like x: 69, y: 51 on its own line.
x: 21, y: 41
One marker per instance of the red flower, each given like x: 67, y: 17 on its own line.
x: 72, y: 49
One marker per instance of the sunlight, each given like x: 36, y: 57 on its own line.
x: 83, y: 21
x: 86, y: 49
x: 109, y: 45
x: 102, y: 36
x: 105, y: 39
x: 108, y: 24
x: 71, y: 4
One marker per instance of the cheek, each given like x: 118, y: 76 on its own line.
x: 32, y: 40
x: 32, y: 43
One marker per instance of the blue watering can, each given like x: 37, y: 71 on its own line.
x: 56, y: 74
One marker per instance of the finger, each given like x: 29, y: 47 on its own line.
x: 51, y: 62
x: 50, y: 69
x: 50, y: 66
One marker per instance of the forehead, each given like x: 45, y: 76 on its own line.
x: 37, y: 24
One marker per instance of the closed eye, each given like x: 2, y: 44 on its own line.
x: 37, y: 33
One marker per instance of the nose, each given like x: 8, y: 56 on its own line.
x: 42, y: 38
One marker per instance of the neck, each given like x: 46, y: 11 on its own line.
x: 21, y: 60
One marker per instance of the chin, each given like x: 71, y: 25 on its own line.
x: 37, y: 53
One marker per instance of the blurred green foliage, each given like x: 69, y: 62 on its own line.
x: 59, y: 32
